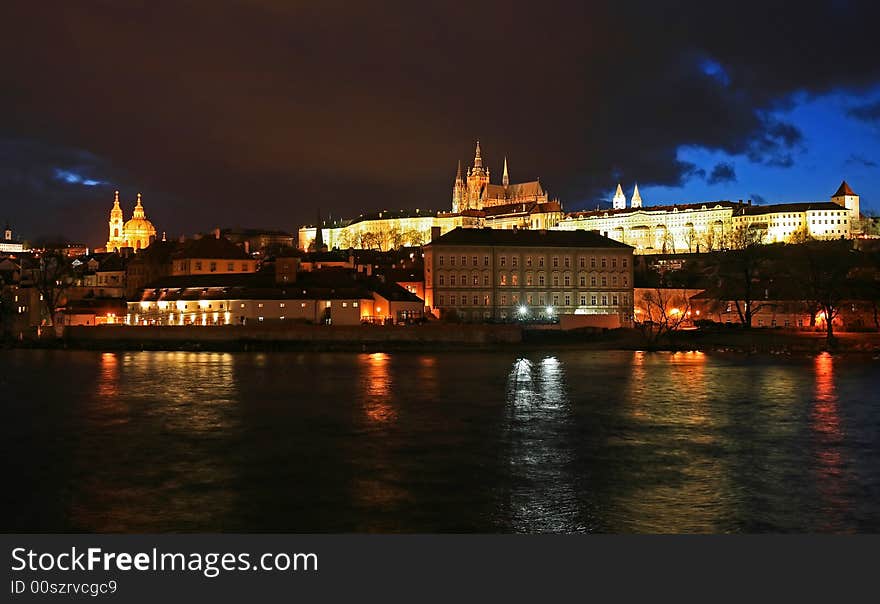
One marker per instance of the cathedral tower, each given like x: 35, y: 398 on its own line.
x: 459, y: 191
x: 619, y: 201
x: 636, y: 201
x: 505, y: 178
x: 478, y: 178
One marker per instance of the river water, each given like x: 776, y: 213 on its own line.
x: 566, y: 441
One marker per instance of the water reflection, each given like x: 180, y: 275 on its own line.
x: 542, y: 494
x: 169, y: 433
x: 377, y: 399
x: 828, y: 436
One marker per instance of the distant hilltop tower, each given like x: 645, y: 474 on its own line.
x: 619, y: 201
x: 847, y: 198
x: 636, y: 198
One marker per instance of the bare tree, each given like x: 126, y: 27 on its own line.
x: 660, y: 311
x: 825, y: 268
x: 52, y: 277
x: 743, y: 272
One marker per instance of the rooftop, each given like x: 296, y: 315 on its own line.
x: 527, y: 238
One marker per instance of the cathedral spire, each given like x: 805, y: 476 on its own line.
x: 116, y: 200
x: 478, y: 159
x: 138, y: 209
x: 619, y: 201
x: 636, y: 198
x: 505, y: 178
x: 458, y: 177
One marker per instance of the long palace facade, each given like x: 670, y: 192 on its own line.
x: 691, y: 227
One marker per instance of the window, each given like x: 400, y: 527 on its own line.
x: 604, y: 262
x: 485, y: 300
x: 593, y: 281
x: 486, y: 279
x: 503, y: 300
x: 614, y: 300
x: 529, y: 261
x: 567, y: 261
x: 541, y: 261
x: 555, y: 280
x: 260, y: 305
x: 604, y: 300
x: 567, y: 300
x: 625, y: 279
x: 476, y: 279
x: 440, y: 260
x: 452, y: 261
x: 604, y: 281
x: 230, y: 266
x: 213, y: 267
x: 593, y: 299
x: 474, y: 262
x: 514, y: 261
x: 555, y: 261
x: 244, y: 266
x: 514, y: 280
x: 583, y: 262
x: 613, y: 279
x: 441, y: 279
x: 583, y: 300
x: 503, y: 279
x: 281, y: 305
x: 567, y: 280
x: 485, y: 260
x: 541, y: 300
x: 529, y: 298
x: 452, y: 279
x: 555, y: 299
x: 503, y: 260
x: 614, y: 263
x: 440, y: 300
x: 583, y: 281
x: 198, y: 265
x: 452, y: 300
x: 476, y: 300
x: 541, y: 280
x: 529, y: 279
x: 593, y: 262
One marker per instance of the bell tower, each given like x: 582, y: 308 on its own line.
x: 117, y: 237
x: 478, y: 178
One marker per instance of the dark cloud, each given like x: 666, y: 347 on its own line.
x: 861, y: 161
x: 258, y: 112
x: 758, y: 199
x: 723, y: 172
x: 867, y: 112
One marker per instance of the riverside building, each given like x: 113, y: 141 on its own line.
x: 520, y: 274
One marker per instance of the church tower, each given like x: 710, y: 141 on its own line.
x: 505, y: 178
x: 636, y: 201
x: 116, y: 240
x: 619, y: 201
x: 459, y: 192
x: 478, y: 178
x: 847, y: 198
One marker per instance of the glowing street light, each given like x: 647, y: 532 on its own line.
x: 523, y: 311
x: 549, y: 310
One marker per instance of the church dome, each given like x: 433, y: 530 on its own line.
x: 139, y: 231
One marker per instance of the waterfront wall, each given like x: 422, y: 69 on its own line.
x: 343, y: 336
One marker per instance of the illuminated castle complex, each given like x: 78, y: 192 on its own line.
x: 136, y: 233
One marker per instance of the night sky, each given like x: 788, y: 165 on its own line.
x: 257, y: 113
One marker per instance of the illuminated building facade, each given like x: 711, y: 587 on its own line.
x: 136, y: 233
x: 709, y: 226
x: 476, y: 203
x: 503, y: 274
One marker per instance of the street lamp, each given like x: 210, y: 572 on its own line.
x: 523, y: 311
x: 549, y: 310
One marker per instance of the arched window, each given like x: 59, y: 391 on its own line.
x: 116, y: 232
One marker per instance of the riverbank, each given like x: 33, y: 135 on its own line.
x: 443, y: 337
